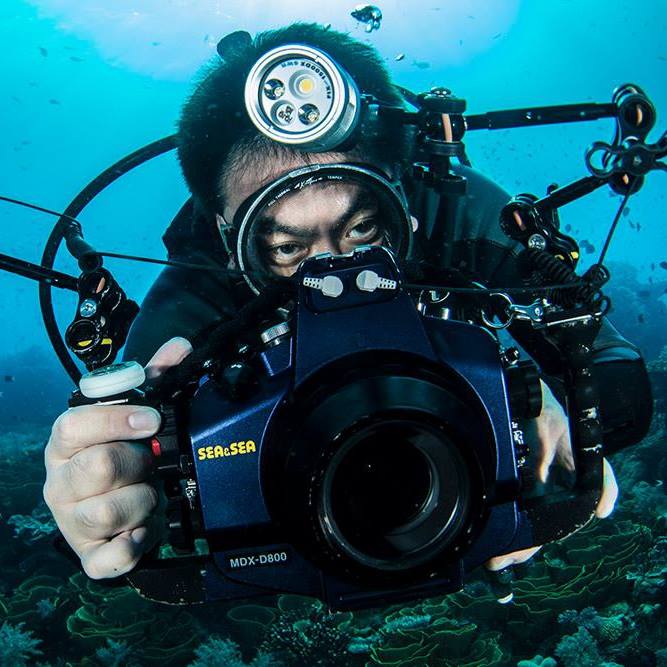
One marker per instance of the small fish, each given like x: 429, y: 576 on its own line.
x: 43, y: 51
x: 568, y: 228
x: 421, y: 64
x: 639, y: 226
x: 369, y: 15
x: 76, y: 59
x: 497, y: 35
x: 663, y: 265
x: 632, y: 225
x: 26, y: 142
x: 626, y: 212
x: 399, y: 57
x: 155, y: 43
x: 53, y: 100
x: 206, y: 37
x: 10, y: 378
x: 587, y: 246
x: 460, y: 42
x: 470, y: 16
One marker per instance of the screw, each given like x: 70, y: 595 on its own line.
x: 537, y: 242
x: 87, y: 308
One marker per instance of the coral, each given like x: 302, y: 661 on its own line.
x: 579, y: 650
x: 17, y: 646
x: 649, y: 575
x: 537, y: 661
x: 114, y: 654
x: 35, y: 526
x: 46, y: 607
x: 217, y: 652
x: 319, y: 639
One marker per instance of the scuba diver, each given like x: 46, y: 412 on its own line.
x: 98, y: 484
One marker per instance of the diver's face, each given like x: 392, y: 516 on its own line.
x: 334, y: 218
x: 324, y: 217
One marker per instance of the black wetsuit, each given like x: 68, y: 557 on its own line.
x: 187, y: 303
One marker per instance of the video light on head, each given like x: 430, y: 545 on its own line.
x: 297, y: 95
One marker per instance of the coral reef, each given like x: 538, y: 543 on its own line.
x: 17, y: 646
x: 34, y: 526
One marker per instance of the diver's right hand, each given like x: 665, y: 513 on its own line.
x: 96, y: 478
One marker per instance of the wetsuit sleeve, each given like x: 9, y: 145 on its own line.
x: 481, y: 247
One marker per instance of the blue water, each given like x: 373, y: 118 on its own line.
x: 84, y: 83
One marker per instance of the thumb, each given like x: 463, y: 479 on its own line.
x: 170, y: 354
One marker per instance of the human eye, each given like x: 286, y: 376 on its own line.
x: 286, y: 253
x: 364, y: 231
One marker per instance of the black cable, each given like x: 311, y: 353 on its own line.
x: 612, y: 229
x: 20, y: 202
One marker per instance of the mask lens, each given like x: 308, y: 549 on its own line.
x: 335, y: 211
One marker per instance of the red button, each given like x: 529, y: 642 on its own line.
x: 156, y: 447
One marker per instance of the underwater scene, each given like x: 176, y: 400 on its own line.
x: 165, y: 153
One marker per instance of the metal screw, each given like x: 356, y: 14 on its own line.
x: 87, y: 308
x: 537, y: 242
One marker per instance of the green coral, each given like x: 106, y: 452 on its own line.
x: 34, y: 526
x: 218, y: 652
x: 114, y: 654
x: 17, y: 646
x: 537, y: 661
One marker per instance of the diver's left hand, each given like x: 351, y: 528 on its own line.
x: 555, y: 448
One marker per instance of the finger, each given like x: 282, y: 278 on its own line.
x: 170, y: 354
x: 609, y: 492
x: 547, y: 450
x: 88, y: 425
x: 512, y: 558
x: 96, y: 470
x: 102, y: 517
x: 121, y: 554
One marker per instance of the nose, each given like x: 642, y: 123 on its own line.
x: 325, y: 245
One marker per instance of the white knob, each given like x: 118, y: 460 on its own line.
x: 113, y: 379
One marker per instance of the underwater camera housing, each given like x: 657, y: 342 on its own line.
x: 365, y: 454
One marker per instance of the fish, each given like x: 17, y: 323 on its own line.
x: 663, y: 265
x: 43, y: 51
x: 155, y: 43
x: 498, y: 34
x: 626, y: 212
x: 632, y: 225
x: 587, y: 246
x: 370, y: 15
x: 639, y: 226
x: 421, y: 64
x: 53, y: 100
x: 568, y: 228
x: 9, y: 378
x: 76, y: 59
x: 399, y: 57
